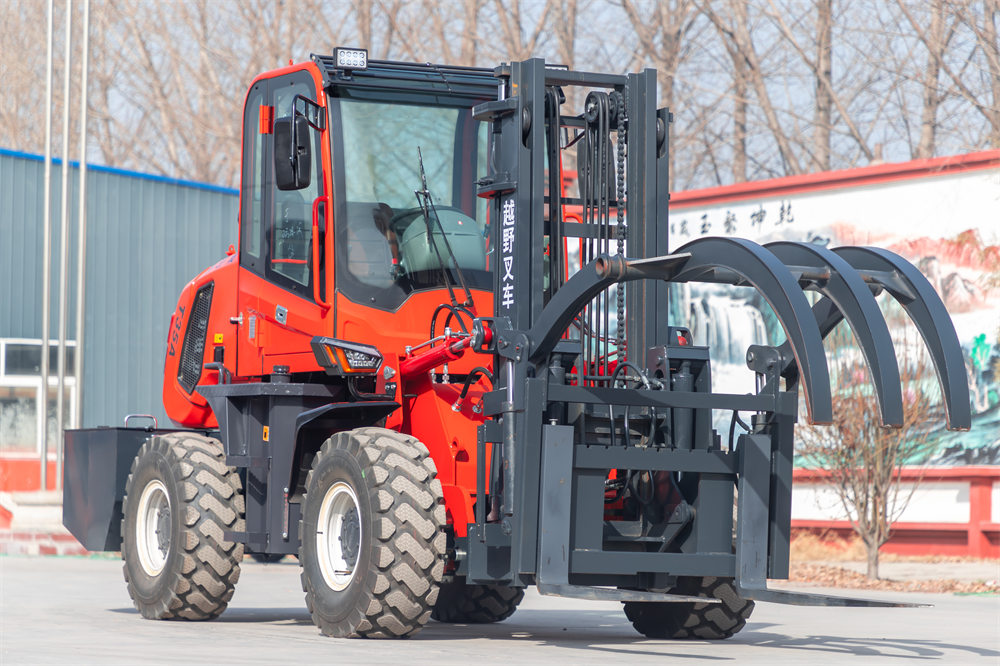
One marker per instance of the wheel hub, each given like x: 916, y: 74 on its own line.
x: 153, y: 528
x: 163, y: 530
x: 350, y: 537
x: 338, y: 535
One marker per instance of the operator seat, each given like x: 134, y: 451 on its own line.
x: 369, y: 253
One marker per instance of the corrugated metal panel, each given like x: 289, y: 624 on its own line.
x: 146, y: 237
x: 21, y: 188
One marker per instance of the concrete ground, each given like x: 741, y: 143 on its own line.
x: 58, y: 610
x: 973, y: 571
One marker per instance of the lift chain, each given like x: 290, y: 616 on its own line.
x: 620, y: 114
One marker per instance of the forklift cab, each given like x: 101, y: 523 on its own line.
x: 358, y: 189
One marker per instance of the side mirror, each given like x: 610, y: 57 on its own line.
x: 292, y: 153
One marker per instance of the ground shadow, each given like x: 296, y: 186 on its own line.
x: 243, y: 614
x: 608, y: 631
x: 902, y: 648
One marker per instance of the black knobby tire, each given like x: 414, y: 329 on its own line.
x: 693, y: 620
x: 393, y: 553
x: 462, y: 602
x: 267, y: 558
x: 180, y: 498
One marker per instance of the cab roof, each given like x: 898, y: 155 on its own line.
x: 478, y: 82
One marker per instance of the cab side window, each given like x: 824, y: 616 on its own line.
x: 289, y: 235
x: 254, y: 175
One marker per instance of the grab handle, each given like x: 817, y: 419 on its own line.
x: 142, y: 416
x: 325, y: 200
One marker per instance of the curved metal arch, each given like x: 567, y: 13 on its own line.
x: 846, y: 296
x: 912, y: 290
x: 764, y: 271
x: 575, y: 293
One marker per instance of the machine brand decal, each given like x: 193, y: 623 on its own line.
x: 507, y: 253
x: 175, y: 334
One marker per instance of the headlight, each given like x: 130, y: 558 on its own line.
x: 340, y: 357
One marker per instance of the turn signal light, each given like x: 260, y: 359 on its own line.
x: 340, y: 357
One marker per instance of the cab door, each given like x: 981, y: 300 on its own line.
x: 278, y: 302
x: 257, y: 146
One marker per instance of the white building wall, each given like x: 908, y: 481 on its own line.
x: 931, y: 502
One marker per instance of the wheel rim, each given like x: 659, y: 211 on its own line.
x: 153, y: 529
x: 338, y: 536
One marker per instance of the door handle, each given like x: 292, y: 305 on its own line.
x: 325, y: 200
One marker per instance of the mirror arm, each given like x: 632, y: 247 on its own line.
x: 293, y: 158
x: 319, y: 125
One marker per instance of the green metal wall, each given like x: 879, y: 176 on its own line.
x: 146, y: 237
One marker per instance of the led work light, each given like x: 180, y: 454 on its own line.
x: 350, y: 58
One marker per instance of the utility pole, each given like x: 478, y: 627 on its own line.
x: 81, y: 243
x: 43, y: 389
x: 64, y: 235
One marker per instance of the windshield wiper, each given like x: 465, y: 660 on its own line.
x: 426, y: 202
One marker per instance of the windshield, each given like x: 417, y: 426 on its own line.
x: 387, y: 247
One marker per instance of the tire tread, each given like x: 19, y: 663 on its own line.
x: 693, y: 621
x: 461, y: 602
x: 408, y: 543
x: 211, y: 500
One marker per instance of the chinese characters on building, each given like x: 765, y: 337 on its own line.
x: 753, y: 223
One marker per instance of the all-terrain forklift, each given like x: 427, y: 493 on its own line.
x: 438, y: 375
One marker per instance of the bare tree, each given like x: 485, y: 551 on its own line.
x: 450, y: 20
x: 741, y: 105
x: 828, y: 103
x: 935, y: 38
x: 758, y: 87
x: 565, y: 27
x: 732, y: 22
x: 823, y: 116
x: 989, y: 42
x: 22, y: 68
x: 865, y: 460
x: 662, y: 30
x: 983, y: 93
x: 520, y: 34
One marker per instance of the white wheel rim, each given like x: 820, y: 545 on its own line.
x: 153, y: 527
x: 338, y: 536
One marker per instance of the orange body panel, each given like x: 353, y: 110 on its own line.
x: 426, y: 411
x: 269, y: 343
x: 244, y: 317
x: 191, y: 410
